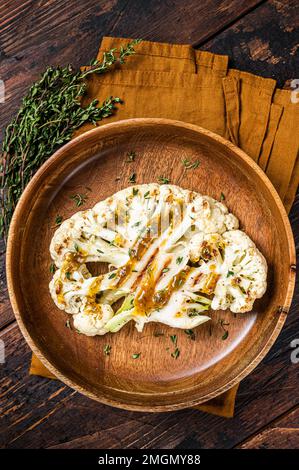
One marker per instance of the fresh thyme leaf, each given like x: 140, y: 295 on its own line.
x: 230, y: 273
x: 79, y: 199
x: 132, y: 178
x: 163, y: 180
x: 176, y: 353
x: 47, y: 119
x: 192, y: 312
x: 76, y: 246
x: 190, y: 165
x: 136, y: 356
x: 174, y: 339
x: 165, y: 270
x: 111, y: 276
x: 190, y: 333
x: 58, y: 220
x: 68, y: 275
x: 107, y: 349
x: 52, y: 268
x: 146, y: 195
x: 179, y: 260
x: 137, y: 223
x: 222, y: 197
x: 223, y: 325
x: 225, y: 335
x: 135, y: 191
x: 100, y: 251
x: 131, y: 156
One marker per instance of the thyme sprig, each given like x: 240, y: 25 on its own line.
x: 47, y: 119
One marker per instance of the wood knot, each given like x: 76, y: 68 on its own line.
x: 282, y: 309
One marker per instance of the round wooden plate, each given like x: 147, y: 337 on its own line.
x: 96, y: 164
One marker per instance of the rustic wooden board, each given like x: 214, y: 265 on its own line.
x: 39, y: 412
x: 263, y: 42
x: 47, y: 34
x: 282, y: 434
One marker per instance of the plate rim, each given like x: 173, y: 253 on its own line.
x: 117, y: 125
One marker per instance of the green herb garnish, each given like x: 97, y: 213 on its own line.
x: 135, y: 191
x: 112, y: 275
x: 176, y: 353
x: 190, y: 333
x: 179, y: 260
x: 165, y: 270
x: 107, y: 349
x: 52, y: 268
x: 174, y: 339
x: 136, y: 356
x: 47, y: 119
x: 190, y: 165
x: 131, y: 156
x: 58, y: 220
x: 146, y: 195
x: 132, y: 178
x: 68, y: 275
x: 222, y: 323
x: 230, y: 273
x: 163, y: 180
x: 79, y: 199
x: 222, y: 197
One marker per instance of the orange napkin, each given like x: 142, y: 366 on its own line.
x: 178, y: 82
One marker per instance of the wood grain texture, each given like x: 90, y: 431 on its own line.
x: 37, y: 412
x: 32, y: 416
x: 47, y: 32
x: 263, y: 42
x: 206, y: 367
x: 282, y: 434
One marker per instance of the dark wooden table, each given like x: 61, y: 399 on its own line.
x: 260, y: 37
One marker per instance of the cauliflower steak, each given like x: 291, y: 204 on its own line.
x: 172, y: 255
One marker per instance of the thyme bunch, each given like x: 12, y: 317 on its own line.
x: 47, y: 119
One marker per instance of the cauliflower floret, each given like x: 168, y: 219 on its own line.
x: 92, y: 324
x: 243, y: 274
x: 213, y: 216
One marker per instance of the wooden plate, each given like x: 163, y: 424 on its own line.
x: 207, y: 366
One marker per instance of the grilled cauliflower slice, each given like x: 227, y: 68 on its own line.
x: 172, y: 253
x: 93, y: 322
x: 243, y: 274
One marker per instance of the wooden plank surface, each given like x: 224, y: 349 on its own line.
x: 260, y: 37
x: 283, y: 434
x: 263, y: 42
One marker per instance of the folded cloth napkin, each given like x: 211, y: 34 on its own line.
x: 179, y: 82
